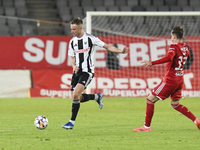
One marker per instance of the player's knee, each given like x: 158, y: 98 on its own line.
x: 76, y: 96
x: 152, y: 98
x: 174, y: 103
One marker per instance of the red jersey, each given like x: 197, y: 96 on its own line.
x: 175, y: 58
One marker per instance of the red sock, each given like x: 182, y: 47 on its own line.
x: 149, y: 113
x: 185, y: 111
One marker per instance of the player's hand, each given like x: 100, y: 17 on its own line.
x: 76, y: 69
x: 146, y: 63
x: 125, y: 50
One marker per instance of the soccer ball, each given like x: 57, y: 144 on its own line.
x: 41, y: 122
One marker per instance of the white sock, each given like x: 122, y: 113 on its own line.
x: 72, y: 121
x: 96, y: 96
x: 195, y: 121
x: 146, y: 127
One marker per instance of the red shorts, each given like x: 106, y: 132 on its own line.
x: 165, y: 90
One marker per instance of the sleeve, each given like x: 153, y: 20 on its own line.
x: 98, y: 42
x: 70, y: 50
x: 170, y: 55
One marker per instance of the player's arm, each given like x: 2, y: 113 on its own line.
x: 115, y: 49
x: 72, y: 61
x: 167, y: 58
x: 72, y: 58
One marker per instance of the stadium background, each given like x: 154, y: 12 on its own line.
x: 34, y: 52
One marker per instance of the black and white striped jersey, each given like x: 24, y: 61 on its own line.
x: 83, y: 51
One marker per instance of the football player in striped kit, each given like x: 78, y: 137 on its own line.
x: 81, y: 52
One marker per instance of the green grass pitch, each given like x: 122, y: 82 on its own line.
x: 95, y: 129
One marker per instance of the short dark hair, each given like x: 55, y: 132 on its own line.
x: 178, y: 31
x: 77, y: 21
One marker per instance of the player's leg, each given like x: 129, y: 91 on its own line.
x: 97, y: 97
x: 75, y: 105
x: 161, y: 91
x: 87, y: 97
x: 185, y: 111
x: 74, y: 82
x: 76, y: 100
x: 85, y: 79
x: 72, y: 92
x: 151, y: 99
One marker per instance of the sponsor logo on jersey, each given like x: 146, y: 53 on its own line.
x: 82, y: 50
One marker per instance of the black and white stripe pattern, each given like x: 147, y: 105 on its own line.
x: 82, y: 49
x: 89, y: 79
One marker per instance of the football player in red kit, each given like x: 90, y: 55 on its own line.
x: 172, y: 83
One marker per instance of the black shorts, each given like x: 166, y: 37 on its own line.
x: 83, y: 78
